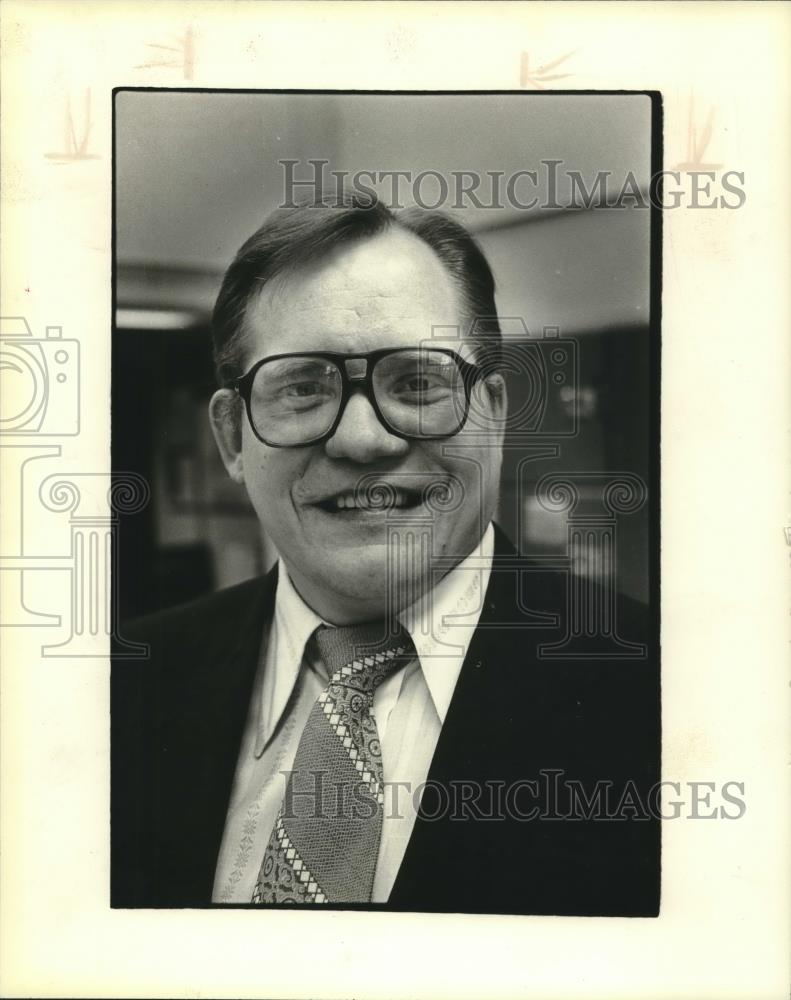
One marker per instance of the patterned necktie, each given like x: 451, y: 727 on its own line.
x: 325, y: 841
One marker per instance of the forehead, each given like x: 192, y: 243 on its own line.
x: 387, y: 291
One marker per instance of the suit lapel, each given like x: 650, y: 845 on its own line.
x: 482, y: 739
x: 199, y: 753
x: 516, y: 718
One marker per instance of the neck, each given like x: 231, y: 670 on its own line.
x: 339, y: 609
x: 373, y: 604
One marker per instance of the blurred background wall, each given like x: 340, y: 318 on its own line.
x: 196, y: 173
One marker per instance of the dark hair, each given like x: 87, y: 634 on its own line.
x: 294, y: 236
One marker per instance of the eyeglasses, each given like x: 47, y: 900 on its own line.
x: 299, y: 399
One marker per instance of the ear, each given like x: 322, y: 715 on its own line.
x: 225, y: 415
x: 489, y: 406
x: 498, y: 396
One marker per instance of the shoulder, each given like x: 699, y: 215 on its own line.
x: 522, y: 587
x: 191, y: 654
x: 192, y: 620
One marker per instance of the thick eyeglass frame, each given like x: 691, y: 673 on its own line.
x: 362, y: 381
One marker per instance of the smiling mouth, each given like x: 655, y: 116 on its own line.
x: 377, y: 500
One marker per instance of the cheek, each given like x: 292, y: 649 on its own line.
x: 269, y: 474
x: 477, y: 477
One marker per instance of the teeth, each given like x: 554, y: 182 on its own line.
x: 351, y: 501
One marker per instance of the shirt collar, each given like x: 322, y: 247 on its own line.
x: 293, y: 624
x: 441, y: 625
x: 442, y: 622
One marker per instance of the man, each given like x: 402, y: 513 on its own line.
x: 376, y: 722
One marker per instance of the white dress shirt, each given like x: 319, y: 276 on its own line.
x: 409, y: 708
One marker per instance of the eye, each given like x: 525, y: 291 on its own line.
x: 423, y: 387
x: 417, y: 383
x: 303, y: 390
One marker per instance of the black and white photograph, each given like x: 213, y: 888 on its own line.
x: 394, y: 526
x: 389, y: 626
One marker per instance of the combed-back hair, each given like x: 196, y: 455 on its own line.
x: 302, y: 234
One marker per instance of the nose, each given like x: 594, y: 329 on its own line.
x: 361, y: 437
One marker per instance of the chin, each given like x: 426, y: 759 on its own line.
x: 360, y: 574
x: 361, y: 583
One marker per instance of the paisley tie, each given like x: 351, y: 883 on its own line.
x: 325, y: 841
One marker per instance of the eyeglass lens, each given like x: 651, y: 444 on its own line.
x: 419, y: 393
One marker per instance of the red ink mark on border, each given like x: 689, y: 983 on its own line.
x: 541, y: 74
x: 75, y: 147
x: 698, y: 141
x: 183, y: 60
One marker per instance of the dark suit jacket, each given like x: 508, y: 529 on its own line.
x: 520, y: 712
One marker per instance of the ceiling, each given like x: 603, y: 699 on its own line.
x: 196, y: 173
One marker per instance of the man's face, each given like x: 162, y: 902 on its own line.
x: 383, y: 292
